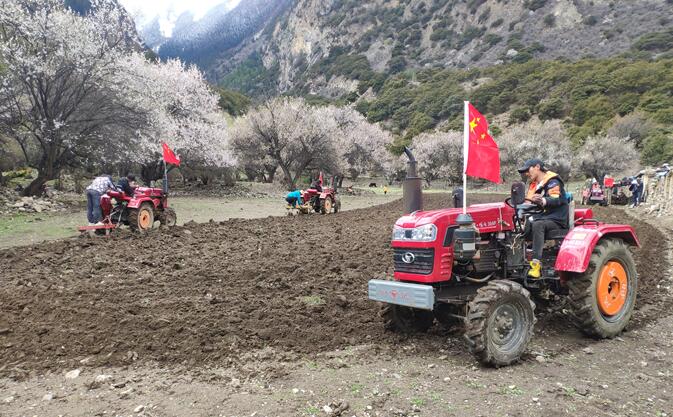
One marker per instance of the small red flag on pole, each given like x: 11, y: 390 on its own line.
x: 481, y: 155
x: 169, y: 156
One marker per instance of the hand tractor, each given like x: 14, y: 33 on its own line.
x: 471, y: 270
x: 139, y: 212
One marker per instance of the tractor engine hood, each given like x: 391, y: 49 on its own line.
x: 488, y: 218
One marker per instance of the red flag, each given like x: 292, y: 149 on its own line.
x: 320, y: 178
x: 169, y: 156
x: 483, y: 155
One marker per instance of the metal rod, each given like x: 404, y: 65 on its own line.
x: 466, y: 144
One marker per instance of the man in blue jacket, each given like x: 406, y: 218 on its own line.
x: 294, y: 198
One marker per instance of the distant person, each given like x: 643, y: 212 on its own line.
x: 295, y: 198
x: 128, y: 184
x: 633, y: 187
x: 385, y: 189
x: 457, y: 197
x: 640, y: 190
x: 99, y: 186
x: 317, y: 185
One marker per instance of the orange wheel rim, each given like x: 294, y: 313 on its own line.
x: 144, y: 219
x: 612, y: 288
x: 328, y: 204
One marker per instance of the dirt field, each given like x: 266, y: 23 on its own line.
x: 23, y: 229
x: 269, y: 317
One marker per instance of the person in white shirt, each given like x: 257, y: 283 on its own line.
x: 99, y: 186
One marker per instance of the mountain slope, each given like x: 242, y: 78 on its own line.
x: 209, y: 41
x: 396, y: 35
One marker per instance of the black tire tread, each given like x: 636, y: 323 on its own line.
x: 477, y: 316
x: 582, y: 294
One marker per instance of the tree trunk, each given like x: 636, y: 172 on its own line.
x: 288, y: 177
x: 271, y: 174
x: 35, y: 187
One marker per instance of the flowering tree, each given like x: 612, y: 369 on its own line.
x: 289, y: 134
x: 534, y: 139
x: 78, y: 92
x: 439, y: 156
x: 179, y: 108
x: 602, y: 155
x: 362, y: 146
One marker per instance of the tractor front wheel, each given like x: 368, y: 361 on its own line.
x: 406, y: 319
x: 603, y: 297
x: 326, y: 205
x: 168, y: 217
x: 499, y: 323
x: 142, y: 218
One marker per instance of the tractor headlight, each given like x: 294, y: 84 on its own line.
x: 425, y: 233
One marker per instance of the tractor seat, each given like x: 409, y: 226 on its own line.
x: 557, y: 234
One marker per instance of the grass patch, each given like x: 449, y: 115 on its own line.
x: 312, y: 300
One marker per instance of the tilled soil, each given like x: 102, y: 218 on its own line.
x: 212, y: 293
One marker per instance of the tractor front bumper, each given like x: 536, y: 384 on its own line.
x: 402, y: 293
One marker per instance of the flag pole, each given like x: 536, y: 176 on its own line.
x: 466, y: 143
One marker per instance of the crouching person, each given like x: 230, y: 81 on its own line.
x: 294, y: 199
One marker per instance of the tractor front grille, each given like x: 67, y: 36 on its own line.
x: 414, y: 261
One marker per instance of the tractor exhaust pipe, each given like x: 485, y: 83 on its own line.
x: 412, y: 193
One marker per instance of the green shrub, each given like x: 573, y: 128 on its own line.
x: 492, y: 39
x: 549, y: 20
x: 519, y: 115
x: 234, y: 103
x: 534, y: 4
x: 497, y: 22
x: 658, y: 149
x: 657, y: 41
x: 551, y: 109
x: 590, y: 20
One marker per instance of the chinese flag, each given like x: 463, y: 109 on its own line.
x: 169, y: 156
x: 320, y: 178
x: 483, y: 155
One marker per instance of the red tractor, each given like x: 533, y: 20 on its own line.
x: 139, y: 212
x: 323, y: 200
x: 471, y: 270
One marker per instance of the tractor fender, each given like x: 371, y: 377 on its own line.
x: 579, y: 243
x: 137, y: 202
x: 323, y: 195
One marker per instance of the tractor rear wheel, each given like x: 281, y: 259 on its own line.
x: 167, y: 217
x: 337, y: 205
x: 142, y: 218
x: 603, y: 297
x: 326, y: 205
x: 406, y: 319
x: 499, y: 323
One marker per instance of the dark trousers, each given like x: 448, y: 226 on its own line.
x: 536, y: 231
x: 93, y: 212
x: 293, y: 201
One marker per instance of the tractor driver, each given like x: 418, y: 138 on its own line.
x: 128, y: 184
x: 546, y: 190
